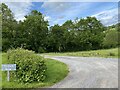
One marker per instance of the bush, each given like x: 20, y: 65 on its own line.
x: 29, y: 66
x: 111, y: 54
x: 111, y: 39
x: 41, y: 50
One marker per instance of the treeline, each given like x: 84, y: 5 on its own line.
x: 34, y: 33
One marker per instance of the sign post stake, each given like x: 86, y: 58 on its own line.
x: 8, y: 76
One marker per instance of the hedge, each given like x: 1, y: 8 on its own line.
x: 29, y: 66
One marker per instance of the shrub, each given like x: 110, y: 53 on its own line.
x: 29, y: 66
x: 111, y: 54
x: 111, y: 39
x: 41, y: 50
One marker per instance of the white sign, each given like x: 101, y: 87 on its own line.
x: 8, y: 67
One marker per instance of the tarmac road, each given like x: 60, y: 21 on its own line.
x: 89, y: 72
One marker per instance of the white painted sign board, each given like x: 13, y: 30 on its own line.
x: 8, y: 67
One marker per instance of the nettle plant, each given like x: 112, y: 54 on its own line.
x: 29, y: 66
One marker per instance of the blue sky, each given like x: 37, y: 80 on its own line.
x: 59, y: 12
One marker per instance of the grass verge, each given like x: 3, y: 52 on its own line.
x: 56, y: 71
x: 112, y: 53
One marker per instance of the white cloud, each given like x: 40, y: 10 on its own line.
x: 108, y: 17
x: 58, y: 12
x: 19, y: 9
x: 68, y: 10
x: 56, y: 7
x: 47, y: 18
x: 62, y: 11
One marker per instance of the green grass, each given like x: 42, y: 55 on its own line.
x: 113, y: 53
x: 56, y: 72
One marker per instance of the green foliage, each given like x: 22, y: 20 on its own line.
x: 56, y: 38
x: 41, y: 50
x: 34, y: 34
x: 9, y: 25
x: 111, y: 54
x: 30, y: 67
x: 83, y: 34
x: 55, y: 72
x: 111, y: 38
x: 35, y: 30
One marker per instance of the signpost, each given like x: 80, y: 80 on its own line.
x: 8, y: 67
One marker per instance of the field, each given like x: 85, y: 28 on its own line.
x: 112, y: 53
x: 56, y: 71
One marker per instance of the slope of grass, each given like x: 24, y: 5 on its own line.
x: 93, y: 53
x: 56, y: 71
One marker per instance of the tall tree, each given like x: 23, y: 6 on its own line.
x: 95, y: 30
x: 70, y: 35
x: 56, y: 38
x: 8, y: 27
x: 35, y: 31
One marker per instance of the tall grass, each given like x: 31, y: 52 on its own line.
x: 93, y: 53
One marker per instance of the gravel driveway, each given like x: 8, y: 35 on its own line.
x: 89, y: 72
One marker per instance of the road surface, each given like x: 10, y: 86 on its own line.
x: 89, y: 72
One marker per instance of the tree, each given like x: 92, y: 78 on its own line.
x: 68, y: 25
x: 111, y: 38
x: 69, y: 36
x: 94, y: 28
x: 35, y: 31
x: 8, y: 27
x: 56, y: 38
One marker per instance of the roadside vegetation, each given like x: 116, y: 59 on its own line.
x: 112, y: 53
x: 48, y: 71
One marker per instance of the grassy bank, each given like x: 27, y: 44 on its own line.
x: 56, y: 71
x: 113, y: 53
